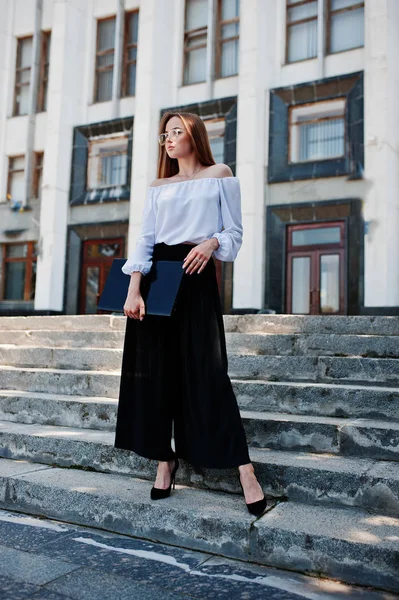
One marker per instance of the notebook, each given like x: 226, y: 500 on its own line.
x: 159, y: 288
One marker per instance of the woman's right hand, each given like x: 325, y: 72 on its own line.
x: 134, y: 306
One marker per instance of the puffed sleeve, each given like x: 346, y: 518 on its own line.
x: 230, y: 239
x: 140, y: 259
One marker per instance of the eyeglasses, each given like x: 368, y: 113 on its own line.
x: 172, y: 135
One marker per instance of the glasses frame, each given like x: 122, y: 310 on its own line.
x: 164, y: 136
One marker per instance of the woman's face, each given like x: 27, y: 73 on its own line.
x: 177, y: 146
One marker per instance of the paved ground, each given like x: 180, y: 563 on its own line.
x: 42, y: 559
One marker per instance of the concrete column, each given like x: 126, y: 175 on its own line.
x: 155, y: 90
x: 381, y: 207
x: 63, y: 113
x: 258, y: 44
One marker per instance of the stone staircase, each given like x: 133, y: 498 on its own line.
x: 319, y: 398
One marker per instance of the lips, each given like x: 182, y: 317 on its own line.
x: 170, y: 148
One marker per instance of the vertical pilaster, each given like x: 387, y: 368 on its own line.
x: 381, y: 206
x: 64, y: 110
x: 257, y: 63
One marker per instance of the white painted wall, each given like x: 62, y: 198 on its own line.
x: 159, y: 85
x: 382, y: 153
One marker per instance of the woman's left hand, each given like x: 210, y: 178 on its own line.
x: 198, y: 257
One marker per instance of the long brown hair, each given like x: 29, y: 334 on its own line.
x: 194, y: 125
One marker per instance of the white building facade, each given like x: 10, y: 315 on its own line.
x: 299, y: 99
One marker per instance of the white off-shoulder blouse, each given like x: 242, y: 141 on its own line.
x: 189, y: 211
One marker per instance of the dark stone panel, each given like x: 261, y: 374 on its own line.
x: 79, y: 194
x: 73, y: 265
x: 355, y: 126
x: 385, y: 311
x: 281, y: 99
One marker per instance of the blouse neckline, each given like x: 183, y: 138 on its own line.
x: 154, y: 187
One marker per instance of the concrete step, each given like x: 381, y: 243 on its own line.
x: 348, y: 325
x: 64, y: 323
x: 347, y: 544
x: 365, y: 438
x: 304, y: 477
x: 274, y: 368
x: 47, y: 386
x: 53, y: 338
x: 61, y: 381
x: 319, y: 399
x: 366, y: 346
x: 347, y: 437
x: 97, y: 359
x: 318, y: 369
x: 319, y: 324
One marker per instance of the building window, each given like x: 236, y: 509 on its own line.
x: 317, y: 131
x: 227, y: 36
x: 104, y: 59
x: 19, y: 271
x: 195, y: 41
x: 16, y: 179
x: 345, y: 25
x: 130, y: 54
x: 22, y: 76
x: 37, y: 175
x: 101, y: 162
x: 43, y: 71
x: 107, y: 164
x: 301, y: 30
x: 216, y: 129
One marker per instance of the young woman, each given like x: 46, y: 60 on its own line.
x: 174, y: 369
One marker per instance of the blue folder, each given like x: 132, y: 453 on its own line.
x: 159, y: 288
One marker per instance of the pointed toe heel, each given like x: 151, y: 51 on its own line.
x: 158, y: 493
x: 256, y: 508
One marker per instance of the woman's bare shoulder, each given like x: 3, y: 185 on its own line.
x: 158, y: 182
x: 221, y: 170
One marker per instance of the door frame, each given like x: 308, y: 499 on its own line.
x: 94, y: 262
x: 314, y: 252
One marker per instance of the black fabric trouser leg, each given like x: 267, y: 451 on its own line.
x: 174, y: 369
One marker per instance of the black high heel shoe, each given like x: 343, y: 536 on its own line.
x: 158, y: 493
x: 255, y: 508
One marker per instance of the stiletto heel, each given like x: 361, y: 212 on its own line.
x: 158, y: 493
x: 255, y: 508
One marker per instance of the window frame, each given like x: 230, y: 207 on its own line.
x: 300, y: 22
x: 29, y: 259
x: 219, y: 40
x: 127, y: 45
x: 330, y: 12
x: 45, y: 45
x: 349, y: 86
x: 294, y: 107
x: 98, y: 53
x: 94, y: 159
x: 10, y: 171
x: 38, y: 159
x: 18, y: 70
x: 188, y: 35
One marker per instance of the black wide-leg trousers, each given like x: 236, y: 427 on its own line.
x: 174, y: 370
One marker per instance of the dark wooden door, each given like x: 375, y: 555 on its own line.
x: 96, y: 263
x: 315, y: 280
